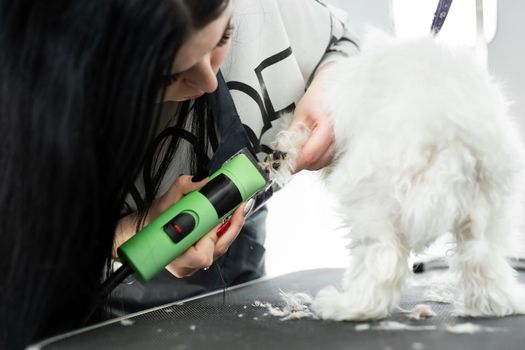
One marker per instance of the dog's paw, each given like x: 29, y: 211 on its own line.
x: 278, y: 167
x: 493, y: 301
x: 280, y: 163
x: 330, y: 304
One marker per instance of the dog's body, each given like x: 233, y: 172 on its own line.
x: 425, y: 147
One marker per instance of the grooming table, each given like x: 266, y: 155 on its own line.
x: 232, y: 321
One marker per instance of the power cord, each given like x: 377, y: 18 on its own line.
x: 107, y: 287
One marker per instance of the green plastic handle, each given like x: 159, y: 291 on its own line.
x: 152, y: 248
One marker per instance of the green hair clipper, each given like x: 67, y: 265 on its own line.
x: 183, y: 224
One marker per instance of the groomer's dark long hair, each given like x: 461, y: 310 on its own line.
x: 79, y: 81
x: 194, y: 125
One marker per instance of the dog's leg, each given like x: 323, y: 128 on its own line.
x: 487, y: 280
x: 372, y: 284
x: 280, y: 164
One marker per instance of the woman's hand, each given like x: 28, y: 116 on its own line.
x: 181, y: 187
x: 205, y: 251
x: 208, y: 249
x: 319, y: 149
x: 127, y: 226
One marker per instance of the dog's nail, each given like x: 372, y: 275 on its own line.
x: 280, y: 155
x: 418, y: 267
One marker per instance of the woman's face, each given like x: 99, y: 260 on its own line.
x: 194, y: 70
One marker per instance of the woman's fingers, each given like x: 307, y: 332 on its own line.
x: 181, y: 187
x: 197, y: 257
x: 229, y: 235
x: 315, y: 153
x: 325, y: 157
x: 209, y: 248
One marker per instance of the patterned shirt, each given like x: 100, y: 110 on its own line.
x: 277, y: 45
x: 276, y: 48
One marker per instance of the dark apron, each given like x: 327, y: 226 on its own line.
x: 244, y: 260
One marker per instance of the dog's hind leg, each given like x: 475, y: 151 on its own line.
x: 486, y: 279
x: 372, y: 284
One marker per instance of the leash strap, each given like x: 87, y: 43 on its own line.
x: 440, y: 15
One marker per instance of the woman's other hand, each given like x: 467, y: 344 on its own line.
x: 203, y: 252
x: 209, y: 248
x: 319, y: 149
x: 127, y: 226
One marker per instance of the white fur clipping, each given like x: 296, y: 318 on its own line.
x: 296, y: 306
x: 393, y: 326
x: 464, y: 328
x: 470, y: 328
x: 127, y: 322
x: 420, y: 312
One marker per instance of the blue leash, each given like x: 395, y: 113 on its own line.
x: 440, y: 15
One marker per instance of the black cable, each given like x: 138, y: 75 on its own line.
x: 224, y: 284
x: 107, y: 287
x: 114, y: 280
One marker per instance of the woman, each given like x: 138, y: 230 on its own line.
x: 79, y: 84
x: 276, y: 49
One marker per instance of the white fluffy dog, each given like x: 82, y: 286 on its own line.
x: 425, y: 147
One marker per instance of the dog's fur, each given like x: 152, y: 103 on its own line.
x: 425, y: 147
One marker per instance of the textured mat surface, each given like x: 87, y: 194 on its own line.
x: 233, y: 322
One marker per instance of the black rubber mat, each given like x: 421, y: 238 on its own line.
x: 232, y: 321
